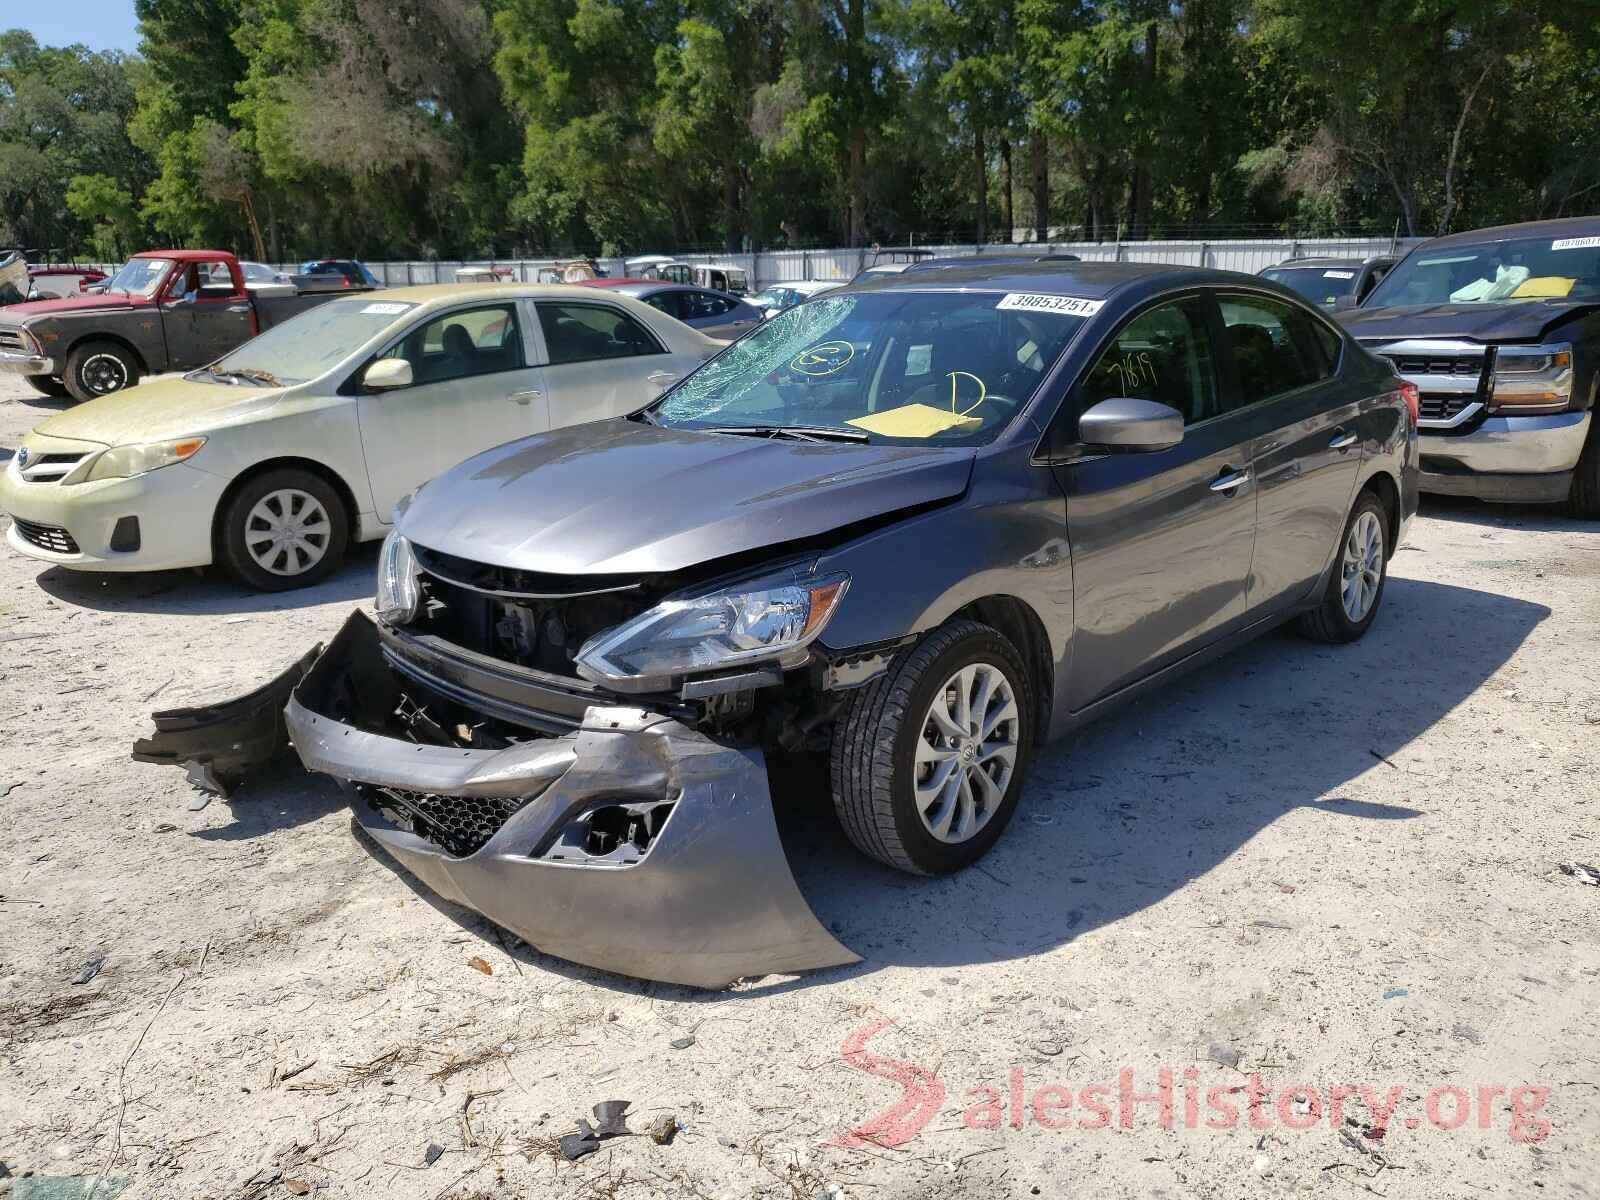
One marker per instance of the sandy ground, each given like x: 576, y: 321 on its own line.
x: 1306, y: 867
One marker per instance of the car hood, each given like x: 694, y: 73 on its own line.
x: 157, y: 411
x: 1523, y: 321
x: 16, y: 313
x: 623, y: 497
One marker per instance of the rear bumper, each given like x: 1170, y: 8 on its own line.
x: 16, y: 362
x: 695, y: 890
x: 1507, y: 458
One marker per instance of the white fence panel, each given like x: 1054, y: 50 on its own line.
x: 781, y: 266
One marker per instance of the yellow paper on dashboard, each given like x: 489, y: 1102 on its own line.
x: 1542, y: 287
x: 912, y: 421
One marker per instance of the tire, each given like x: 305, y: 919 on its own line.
x: 47, y: 385
x: 276, y: 502
x: 1584, y: 499
x: 874, y: 766
x: 1334, y: 621
x: 99, y: 368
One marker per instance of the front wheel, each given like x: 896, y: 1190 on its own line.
x: 284, y: 529
x: 47, y: 385
x: 928, y: 759
x: 99, y: 368
x: 1584, y: 498
x: 1359, y: 573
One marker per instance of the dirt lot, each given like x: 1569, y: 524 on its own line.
x: 1309, y: 867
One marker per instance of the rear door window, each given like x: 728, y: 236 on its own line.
x: 590, y: 332
x: 1275, y: 348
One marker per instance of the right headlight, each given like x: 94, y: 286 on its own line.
x: 398, y: 591
x: 1531, y: 379
x: 770, y: 620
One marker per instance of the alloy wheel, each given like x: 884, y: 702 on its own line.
x: 287, y: 532
x: 966, y: 752
x: 1362, y: 566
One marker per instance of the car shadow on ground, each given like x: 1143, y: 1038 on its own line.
x: 210, y: 591
x: 1125, y: 813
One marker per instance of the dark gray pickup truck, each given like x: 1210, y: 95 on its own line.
x: 1499, y: 329
x: 165, y: 310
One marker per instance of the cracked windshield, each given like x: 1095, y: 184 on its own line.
x: 1495, y: 272
x: 930, y: 366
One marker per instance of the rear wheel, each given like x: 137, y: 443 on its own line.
x: 47, y: 385
x: 99, y: 368
x: 928, y: 759
x: 284, y: 529
x: 1359, y: 573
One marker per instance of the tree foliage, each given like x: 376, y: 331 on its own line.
x: 456, y: 128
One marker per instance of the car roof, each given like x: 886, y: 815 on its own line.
x: 1089, y: 280
x: 1563, y: 227
x: 1325, y: 260
x: 607, y: 281
x: 184, y: 255
x: 444, y: 293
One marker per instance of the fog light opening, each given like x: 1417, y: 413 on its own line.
x: 619, y: 834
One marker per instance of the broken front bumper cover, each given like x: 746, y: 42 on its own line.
x: 633, y: 844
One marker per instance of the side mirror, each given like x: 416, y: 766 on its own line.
x: 1341, y: 303
x: 387, y: 374
x: 1124, y: 423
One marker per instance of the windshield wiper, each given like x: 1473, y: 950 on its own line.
x: 798, y: 433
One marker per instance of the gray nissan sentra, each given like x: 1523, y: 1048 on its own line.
x: 919, y: 525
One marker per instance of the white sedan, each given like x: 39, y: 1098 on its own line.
x: 276, y: 457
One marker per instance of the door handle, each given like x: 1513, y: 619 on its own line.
x: 660, y: 378
x: 1229, y: 480
x: 1342, y: 440
x: 527, y: 397
x: 238, y: 308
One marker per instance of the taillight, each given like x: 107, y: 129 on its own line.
x: 1413, y: 400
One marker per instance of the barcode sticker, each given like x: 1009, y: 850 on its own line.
x: 1066, y: 306
x: 386, y: 308
x: 1580, y: 243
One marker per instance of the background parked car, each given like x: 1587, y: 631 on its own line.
x: 722, y: 277
x: 257, y: 274
x: 353, y: 272
x: 1332, y: 282
x: 715, y: 314
x: 276, y: 456
x: 657, y: 266
x: 165, y: 310
x: 780, y: 296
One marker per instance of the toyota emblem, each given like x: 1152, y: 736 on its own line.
x: 23, y: 456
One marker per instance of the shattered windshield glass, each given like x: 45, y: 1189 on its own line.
x: 1498, y: 272
x: 947, y: 366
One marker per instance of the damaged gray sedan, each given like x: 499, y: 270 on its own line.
x: 918, y: 525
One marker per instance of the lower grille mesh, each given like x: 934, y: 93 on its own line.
x: 46, y: 537
x: 458, y: 825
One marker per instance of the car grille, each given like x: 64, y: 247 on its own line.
x: 1444, y: 406
x: 1467, y: 367
x: 48, y: 468
x: 12, y: 339
x: 46, y: 537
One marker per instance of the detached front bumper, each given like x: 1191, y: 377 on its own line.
x: 634, y: 844
x: 1507, y: 458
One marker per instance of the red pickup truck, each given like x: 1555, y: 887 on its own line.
x: 164, y: 310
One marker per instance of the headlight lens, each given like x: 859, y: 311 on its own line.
x: 124, y: 462
x: 398, y: 592
x: 1532, y: 378
x: 773, y: 620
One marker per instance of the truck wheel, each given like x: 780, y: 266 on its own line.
x: 1359, y: 573
x: 284, y: 529
x: 47, y: 385
x: 1584, y: 498
x: 928, y: 759
x: 98, y: 369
